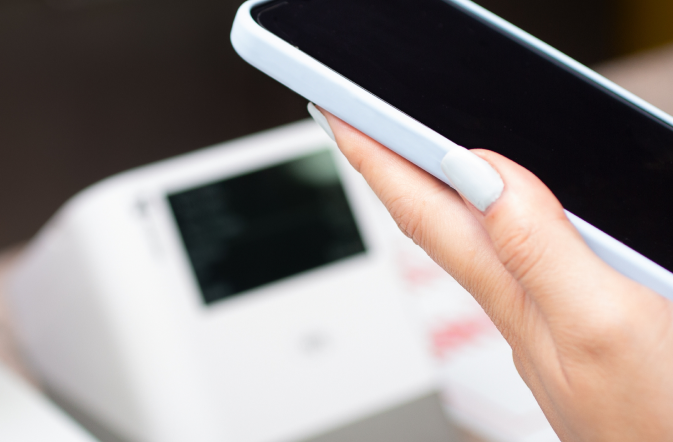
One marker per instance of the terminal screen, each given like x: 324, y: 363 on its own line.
x: 261, y: 227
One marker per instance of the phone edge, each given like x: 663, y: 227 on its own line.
x: 396, y: 130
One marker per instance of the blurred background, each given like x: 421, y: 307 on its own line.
x: 89, y: 88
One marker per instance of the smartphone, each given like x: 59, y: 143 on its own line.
x: 421, y: 76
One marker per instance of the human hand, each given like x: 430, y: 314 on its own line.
x: 594, y: 347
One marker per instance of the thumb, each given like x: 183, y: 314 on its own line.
x: 534, y: 239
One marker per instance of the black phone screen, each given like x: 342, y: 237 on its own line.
x: 608, y: 161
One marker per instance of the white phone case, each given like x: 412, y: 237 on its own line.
x: 410, y: 138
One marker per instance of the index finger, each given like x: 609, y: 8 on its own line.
x: 436, y: 218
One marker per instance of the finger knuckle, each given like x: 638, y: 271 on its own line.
x: 408, y: 216
x: 602, y: 338
x: 518, y: 249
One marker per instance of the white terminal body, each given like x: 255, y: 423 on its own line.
x: 27, y: 416
x: 112, y: 319
x: 412, y: 139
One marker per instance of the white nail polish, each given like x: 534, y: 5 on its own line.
x: 473, y: 177
x: 321, y: 120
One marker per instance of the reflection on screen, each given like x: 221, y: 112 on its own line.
x: 254, y: 229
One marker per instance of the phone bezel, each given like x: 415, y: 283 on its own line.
x: 396, y: 130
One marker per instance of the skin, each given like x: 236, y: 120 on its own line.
x: 594, y: 347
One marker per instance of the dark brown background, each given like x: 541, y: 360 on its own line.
x: 89, y: 88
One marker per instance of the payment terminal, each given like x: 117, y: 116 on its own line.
x: 241, y: 293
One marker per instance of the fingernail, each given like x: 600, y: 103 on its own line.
x: 473, y: 177
x: 321, y: 120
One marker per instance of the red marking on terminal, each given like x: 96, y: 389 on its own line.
x: 419, y: 272
x: 456, y: 334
